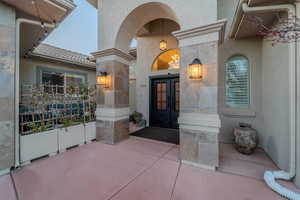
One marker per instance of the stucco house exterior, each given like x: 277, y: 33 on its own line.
x: 200, y: 66
x: 22, y: 29
x: 47, y: 59
x: 219, y: 34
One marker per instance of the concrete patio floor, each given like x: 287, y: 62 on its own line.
x: 139, y: 169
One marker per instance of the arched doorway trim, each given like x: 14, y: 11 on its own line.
x: 138, y: 18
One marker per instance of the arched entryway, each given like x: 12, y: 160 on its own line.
x: 165, y: 90
x: 149, y: 24
x: 134, y: 23
x: 199, y: 120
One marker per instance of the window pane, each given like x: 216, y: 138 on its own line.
x: 53, y: 82
x: 161, y: 93
x: 237, y: 82
x: 177, y: 96
x: 74, y: 80
x: 168, y: 60
x: 53, y: 78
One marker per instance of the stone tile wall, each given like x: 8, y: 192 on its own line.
x: 7, y: 86
x: 199, y: 144
x: 117, y: 95
x: 199, y: 96
x: 111, y: 132
x: 113, y: 128
x: 199, y: 147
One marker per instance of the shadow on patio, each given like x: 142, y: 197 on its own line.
x: 138, y: 169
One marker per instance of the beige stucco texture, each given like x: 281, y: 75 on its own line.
x: 122, y: 21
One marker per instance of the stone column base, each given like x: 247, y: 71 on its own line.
x: 112, y: 125
x: 199, y: 144
x: 112, y: 132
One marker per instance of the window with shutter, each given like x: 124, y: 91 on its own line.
x: 237, y: 94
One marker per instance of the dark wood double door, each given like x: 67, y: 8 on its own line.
x: 164, y: 101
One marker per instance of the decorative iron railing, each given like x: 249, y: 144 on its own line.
x: 47, y: 107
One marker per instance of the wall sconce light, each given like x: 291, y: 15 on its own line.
x: 103, y: 79
x: 196, y: 70
x: 163, y: 45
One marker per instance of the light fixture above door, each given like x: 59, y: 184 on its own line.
x: 163, y: 45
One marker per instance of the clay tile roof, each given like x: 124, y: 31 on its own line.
x: 62, y: 55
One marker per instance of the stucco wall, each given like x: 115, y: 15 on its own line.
x: 28, y: 70
x: 276, y: 115
x: 226, y: 10
x: 112, y: 14
x: 132, y: 86
x: 147, y: 51
x: 271, y: 93
x: 230, y: 117
x: 251, y: 48
x: 7, y: 85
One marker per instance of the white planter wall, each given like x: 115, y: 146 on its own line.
x: 90, y: 131
x: 38, y: 145
x: 70, y: 136
x: 50, y: 142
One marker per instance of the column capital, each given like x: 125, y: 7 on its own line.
x: 112, y: 54
x: 202, y: 34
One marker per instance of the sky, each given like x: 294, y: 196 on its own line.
x: 78, y: 32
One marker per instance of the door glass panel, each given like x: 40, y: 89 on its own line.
x: 161, y: 96
x: 177, y: 96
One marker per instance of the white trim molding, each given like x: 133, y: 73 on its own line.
x: 4, y: 172
x: 112, y: 114
x: 113, y: 54
x: 200, y: 121
x: 206, y: 33
x: 236, y: 112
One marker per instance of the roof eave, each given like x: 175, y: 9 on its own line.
x: 240, y: 21
x: 36, y: 55
x: 236, y: 19
x: 93, y: 3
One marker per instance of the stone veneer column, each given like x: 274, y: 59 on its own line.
x: 7, y: 86
x: 113, y: 103
x: 199, y: 120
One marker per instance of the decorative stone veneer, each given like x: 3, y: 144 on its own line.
x: 7, y: 86
x: 199, y: 96
x: 113, y: 102
x: 199, y: 120
x: 199, y: 145
x: 112, y: 132
x: 199, y: 148
x: 117, y: 95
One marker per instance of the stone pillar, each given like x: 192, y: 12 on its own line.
x: 113, y: 103
x: 199, y: 120
x: 7, y: 86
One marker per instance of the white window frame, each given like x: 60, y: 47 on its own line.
x: 236, y: 111
x: 65, y: 74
